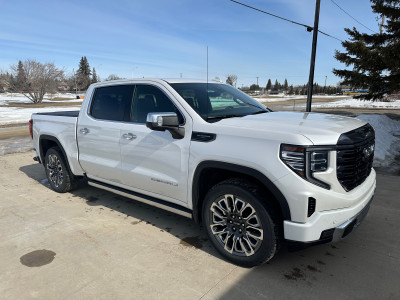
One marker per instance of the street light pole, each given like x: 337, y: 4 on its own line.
x: 313, y: 52
x: 76, y: 84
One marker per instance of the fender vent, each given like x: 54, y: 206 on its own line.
x: 311, y: 206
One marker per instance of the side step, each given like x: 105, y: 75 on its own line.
x: 172, y: 207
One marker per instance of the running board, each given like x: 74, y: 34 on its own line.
x: 172, y: 207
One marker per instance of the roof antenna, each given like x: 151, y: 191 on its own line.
x: 207, y: 68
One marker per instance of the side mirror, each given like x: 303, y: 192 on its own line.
x: 165, y: 121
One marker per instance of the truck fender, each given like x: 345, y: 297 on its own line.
x: 268, y: 184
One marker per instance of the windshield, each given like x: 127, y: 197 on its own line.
x: 215, y: 101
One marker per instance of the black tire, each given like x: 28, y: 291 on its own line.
x: 60, y: 178
x: 257, y: 238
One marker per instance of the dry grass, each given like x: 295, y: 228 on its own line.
x: 43, y: 104
x: 13, y: 132
x: 61, y: 99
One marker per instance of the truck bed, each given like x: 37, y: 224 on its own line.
x: 70, y: 113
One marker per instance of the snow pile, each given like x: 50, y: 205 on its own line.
x: 14, y: 145
x: 15, y: 115
x: 387, y: 146
x: 348, y: 103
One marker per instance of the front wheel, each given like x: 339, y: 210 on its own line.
x: 240, y: 223
x: 60, y: 178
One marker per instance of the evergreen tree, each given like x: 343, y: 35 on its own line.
x: 375, y: 57
x: 20, y: 82
x: 95, y: 78
x: 254, y: 87
x: 276, y: 85
x: 291, y: 90
x: 83, y: 74
x: 269, y: 85
x: 285, y: 85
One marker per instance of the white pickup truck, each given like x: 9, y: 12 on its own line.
x: 253, y: 177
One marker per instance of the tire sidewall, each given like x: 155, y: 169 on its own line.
x: 65, y: 183
x: 268, y: 245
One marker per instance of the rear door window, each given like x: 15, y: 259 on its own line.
x: 112, y: 103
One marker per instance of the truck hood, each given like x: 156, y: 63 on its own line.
x: 320, y: 129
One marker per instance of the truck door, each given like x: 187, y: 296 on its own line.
x: 98, y: 131
x: 153, y: 162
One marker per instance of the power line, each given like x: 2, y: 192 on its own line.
x: 330, y: 36
x: 309, y: 28
x: 342, y: 9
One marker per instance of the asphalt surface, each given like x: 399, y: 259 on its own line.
x: 92, y: 244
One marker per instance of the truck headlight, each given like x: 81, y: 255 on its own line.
x: 305, y: 161
x: 294, y: 157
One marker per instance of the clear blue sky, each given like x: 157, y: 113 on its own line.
x: 160, y: 38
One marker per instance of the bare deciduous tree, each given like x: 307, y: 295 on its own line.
x: 113, y: 77
x: 231, y: 79
x: 34, y: 79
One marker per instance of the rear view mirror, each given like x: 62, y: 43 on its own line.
x: 165, y: 121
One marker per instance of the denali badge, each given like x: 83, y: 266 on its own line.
x: 164, y: 181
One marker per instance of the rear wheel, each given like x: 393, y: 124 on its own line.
x: 60, y: 178
x: 240, y: 223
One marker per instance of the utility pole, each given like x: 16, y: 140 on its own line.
x: 325, y: 84
x: 76, y: 84
x: 257, y: 80
x: 381, y: 25
x: 313, y: 52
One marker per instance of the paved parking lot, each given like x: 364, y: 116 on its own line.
x: 93, y: 244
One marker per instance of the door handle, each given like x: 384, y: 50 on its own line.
x: 129, y: 136
x: 84, y: 130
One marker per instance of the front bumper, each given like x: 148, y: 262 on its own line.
x: 330, y: 225
x: 347, y: 227
x: 334, y: 234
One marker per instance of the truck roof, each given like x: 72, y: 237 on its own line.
x: 169, y: 80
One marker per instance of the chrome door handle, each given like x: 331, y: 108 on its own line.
x: 84, y: 130
x: 129, y: 136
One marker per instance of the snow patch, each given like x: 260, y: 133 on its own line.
x: 348, y: 103
x: 14, y: 145
x: 387, y: 146
x: 15, y: 115
x: 6, y: 98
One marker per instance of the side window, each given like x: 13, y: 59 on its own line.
x: 149, y: 99
x: 112, y: 103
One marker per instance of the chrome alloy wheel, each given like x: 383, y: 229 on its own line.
x: 54, y: 169
x: 236, y: 225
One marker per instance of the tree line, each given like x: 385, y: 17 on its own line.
x: 278, y: 87
x: 34, y: 79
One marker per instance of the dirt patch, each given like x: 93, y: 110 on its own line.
x: 312, y: 268
x: 12, y: 132
x: 37, y: 258
x: 295, y: 274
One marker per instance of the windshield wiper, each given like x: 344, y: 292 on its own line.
x: 259, y: 112
x: 224, y: 117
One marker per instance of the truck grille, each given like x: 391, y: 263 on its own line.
x: 355, y: 155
